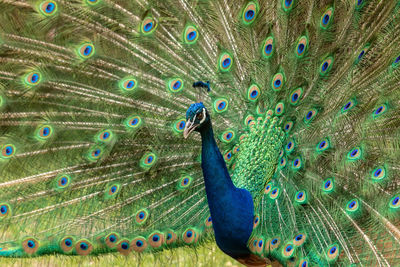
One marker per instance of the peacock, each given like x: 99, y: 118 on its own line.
x: 269, y: 126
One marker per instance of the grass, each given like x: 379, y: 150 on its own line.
x: 206, y: 255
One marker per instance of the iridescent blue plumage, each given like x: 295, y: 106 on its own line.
x: 231, y: 208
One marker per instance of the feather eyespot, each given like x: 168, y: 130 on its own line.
x: 303, y: 263
x: 275, y: 192
x: 111, y: 191
x: 301, y: 46
x: 253, y: 92
x: 287, y: 5
x: 328, y: 185
x: 297, y: 164
x: 44, y: 132
x: 259, y: 246
x: 208, y: 222
x: 184, y: 182
x: 289, y: 148
x: 48, y: 8
x: 299, y: 239
x: 379, y: 111
x: 228, y: 156
x: 189, y: 236
x: 148, y: 160
x: 141, y: 216
x: 86, y: 50
x: 67, y: 243
x: 5, y: 210
x: 248, y: 120
x: 354, y: 154
x: 105, y: 136
x: 228, y: 136
x: 112, y: 240
x: 252, y: 243
x: 326, y: 66
x: 256, y: 221
x: 179, y: 125
x: 225, y: 62
x: 190, y: 34
x: 301, y: 197
x: 349, y: 105
x: 124, y: 247
x: 156, y: 240
x: 288, y: 126
x: 175, y: 85
x: 171, y: 237
x: 295, y: 96
x: 32, y: 78
x: 288, y: 250
x: 250, y: 13
x: 353, y: 205
x: 95, y: 153
x: 277, y: 82
x: 378, y: 174
x: 128, y: 84
x: 274, y: 243
x: 220, y: 105
x: 268, y: 47
x: 30, y: 245
x: 139, y: 244
x: 268, y: 188
x: 148, y: 26
x: 279, y: 109
x: 7, y: 151
x: 332, y: 253
x: 133, y: 122
x: 323, y: 145
x: 326, y: 18
x: 395, y: 202
x: 83, y: 247
x: 62, y: 181
x: 282, y: 162
x: 310, y: 115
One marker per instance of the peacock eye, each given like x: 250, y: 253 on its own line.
x: 200, y: 116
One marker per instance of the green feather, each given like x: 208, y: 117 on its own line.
x: 93, y: 96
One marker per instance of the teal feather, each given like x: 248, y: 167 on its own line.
x: 304, y: 102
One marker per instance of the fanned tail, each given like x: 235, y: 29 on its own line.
x: 334, y: 197
x: 305, y: 107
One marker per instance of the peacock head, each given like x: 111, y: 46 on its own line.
x: 196, y: 117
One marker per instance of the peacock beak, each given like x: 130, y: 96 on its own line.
x: 189, y: 127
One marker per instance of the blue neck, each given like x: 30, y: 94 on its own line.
x: 231, y: 208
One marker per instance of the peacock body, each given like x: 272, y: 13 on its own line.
x: 296, y: 104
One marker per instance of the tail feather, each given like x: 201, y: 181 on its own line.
x: 304, y: 103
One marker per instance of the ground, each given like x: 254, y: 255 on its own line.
x: 206, y: 255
